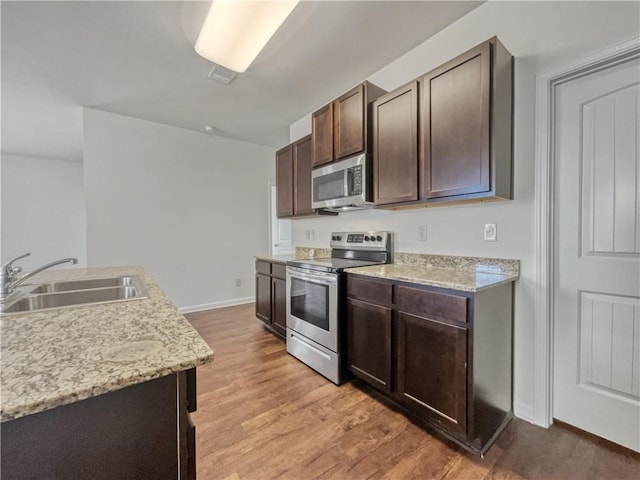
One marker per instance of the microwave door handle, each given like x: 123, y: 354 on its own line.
x: 347, y: 174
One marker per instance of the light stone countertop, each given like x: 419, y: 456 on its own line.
x: 276, y: 258
x: 60, y: 356
x: 301, y: 253
x: 467, y: 274
x: 462, y: 280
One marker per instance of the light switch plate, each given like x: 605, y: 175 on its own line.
x: 490, y: 232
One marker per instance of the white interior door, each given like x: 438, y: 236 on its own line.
x: 597, y: 246
x: 280, y: 229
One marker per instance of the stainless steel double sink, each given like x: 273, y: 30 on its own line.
x: 74, y: 293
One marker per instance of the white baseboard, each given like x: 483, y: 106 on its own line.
x: 523, y: 412
x: 211, y: 306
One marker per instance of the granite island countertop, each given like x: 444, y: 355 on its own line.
x: 467, y: 274
x: 60, y: 356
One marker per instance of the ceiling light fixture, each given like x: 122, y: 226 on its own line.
x: 234, y: 32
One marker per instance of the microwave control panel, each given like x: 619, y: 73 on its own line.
x: 356, y: 180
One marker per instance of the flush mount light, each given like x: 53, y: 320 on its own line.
x: 235, y: 31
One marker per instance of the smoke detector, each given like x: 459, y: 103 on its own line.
x: 221, y: 74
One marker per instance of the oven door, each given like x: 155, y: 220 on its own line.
x: 312, y: 305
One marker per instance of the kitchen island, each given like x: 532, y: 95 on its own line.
x: 99, y: 391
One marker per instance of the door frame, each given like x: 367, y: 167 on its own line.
x: 546, y: 85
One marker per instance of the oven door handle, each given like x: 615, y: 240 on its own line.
x: 313, y: 278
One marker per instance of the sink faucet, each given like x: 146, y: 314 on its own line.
x: 8, y: 273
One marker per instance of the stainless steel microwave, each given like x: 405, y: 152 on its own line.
x: 343, y: 185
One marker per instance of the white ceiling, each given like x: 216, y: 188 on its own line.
x: 137, y: 59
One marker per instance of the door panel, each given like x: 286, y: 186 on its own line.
x: 279, y: 305
x: 455, y: 127
x: 431, y: 370
x: 263, y: 297
x: 302, y: 176
x: 369, y: 342
x: 597, y: 261
x: 610, y: 219
x: 284, y: 181
x: 280, y: 229
x: 322, y: 135
x: 395, y: 146
x: 349, y: 115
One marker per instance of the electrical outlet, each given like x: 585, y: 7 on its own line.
x: 238, y: 282
x: 422, y: 233
x: 490, y: 232
x: 307, y: 234
x: 313, y: 234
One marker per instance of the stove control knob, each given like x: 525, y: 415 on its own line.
x: 366, y: 239
x: 339, y: 238
x: 379, y: 238
x: 333, y: 237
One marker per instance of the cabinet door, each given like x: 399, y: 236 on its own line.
x: 395, y: 146
x: 284, y: 182
x: 279, y: 305
x: 322, y: 135
x: 263, y: 297
x: 455, y: 117
x: 431, y: 370
x: 302, y: 176
x: 349, y: 123
x: 369, y: 342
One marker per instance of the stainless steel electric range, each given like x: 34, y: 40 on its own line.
x: 316, y: 299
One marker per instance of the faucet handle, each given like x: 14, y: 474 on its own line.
x: 7, y: 267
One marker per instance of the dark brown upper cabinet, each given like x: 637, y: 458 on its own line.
x: 293, y: 180
x: 341, y: 128
x: 447, y: 136
x: 284, y: 182
x: 465, y: 125
x: 322, y: 135
x: 302, y: 176
x: 395, y: 147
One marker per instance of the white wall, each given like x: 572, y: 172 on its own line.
x: 540, y: 35
x: 43, y: 210
x: 191, y: 208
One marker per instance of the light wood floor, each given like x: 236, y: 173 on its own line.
x: 262, y: 414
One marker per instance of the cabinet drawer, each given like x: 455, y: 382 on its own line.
x: 433, y: 305
x: 263, y: 267
x: 279, y: 271
x: 372, y: 291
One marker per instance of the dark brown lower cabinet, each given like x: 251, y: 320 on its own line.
x: 263, y: 297
x: 369, y: 330
x: 443, y: 356
x: 141, y: 431
x: 432, y: 373
x: 271, y: 295
x: 279, y: 305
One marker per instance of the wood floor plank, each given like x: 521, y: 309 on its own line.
x: 262, y: 414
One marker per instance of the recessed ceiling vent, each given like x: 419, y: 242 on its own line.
x: 221, y: 74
